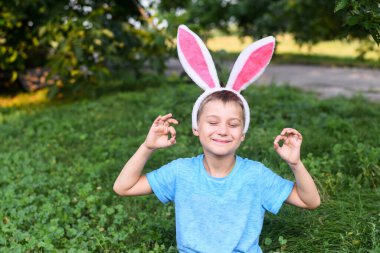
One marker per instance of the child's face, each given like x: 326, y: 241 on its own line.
x: 220, y: 128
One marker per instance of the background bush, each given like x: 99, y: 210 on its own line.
x: 82, y: 41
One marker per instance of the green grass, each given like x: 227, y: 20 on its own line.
x: 59, y: 162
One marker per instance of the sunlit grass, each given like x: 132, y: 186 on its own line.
x: 287, y: 45
x: 24, y: 99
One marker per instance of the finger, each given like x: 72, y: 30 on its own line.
x: 172, y: 132
x: 162, y: 119
x: 279, y: 138
x: 166, y: 117
x: 295, y: 132
x: 294, y: 135
x: 276, y: 143
x: 285, y: 131
x: 172, y: 140
x: 299, y: 135
x: 172, y: 121
x: 291, y: 131
x: 156, y: 121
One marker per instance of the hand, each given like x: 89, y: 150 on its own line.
x: 158, y: 136
x: 291, y: 148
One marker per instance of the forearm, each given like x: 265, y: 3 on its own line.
x: 132, y: 170
x: 305, y: 186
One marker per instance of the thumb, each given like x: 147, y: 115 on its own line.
x: 276, y: 144
x: 171, y: 142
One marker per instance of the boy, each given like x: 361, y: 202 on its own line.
x: 220, y: 198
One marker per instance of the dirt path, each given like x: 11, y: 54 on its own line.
x: 326, y: 81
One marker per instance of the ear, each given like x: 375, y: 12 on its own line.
x: 196, y: 59
x: 195, y: 132
x: 242, y: 138
x: 251, y: 63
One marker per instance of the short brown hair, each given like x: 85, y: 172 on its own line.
x: 224, y: 96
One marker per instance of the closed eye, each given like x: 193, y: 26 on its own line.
x: 234, y: 123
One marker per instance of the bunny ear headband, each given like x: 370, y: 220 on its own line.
x: 198, y: 64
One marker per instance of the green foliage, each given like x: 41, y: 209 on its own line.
x: 80, y: 41
x: 193, y: 14
x: 309, y: 21
x: 361, y: 17
x: 19, y: 41
x: 59, y: 163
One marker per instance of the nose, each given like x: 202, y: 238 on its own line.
x: 222, y: 129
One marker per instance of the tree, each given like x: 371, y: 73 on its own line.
x: 79, y: 40
x: 19, y: 44
x: 310, y: 21
x: 361, y: 17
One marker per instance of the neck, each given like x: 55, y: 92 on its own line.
x: 219, y: 166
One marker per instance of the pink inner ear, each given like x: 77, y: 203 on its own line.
x: 256, y: 62
x: 194, y: 57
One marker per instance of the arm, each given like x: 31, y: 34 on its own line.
x: 304, y: 193
x: 130, y: 182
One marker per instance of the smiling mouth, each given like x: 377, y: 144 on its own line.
x: 221, y: 141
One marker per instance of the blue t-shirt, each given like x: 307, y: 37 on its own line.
x: 219, y: 214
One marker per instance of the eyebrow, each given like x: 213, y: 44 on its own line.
x: 215, y: 116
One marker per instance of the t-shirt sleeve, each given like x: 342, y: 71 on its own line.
x: 275, y: 190
x: 162, y: 181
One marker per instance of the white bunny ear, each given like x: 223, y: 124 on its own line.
x: 196, y: 59
x: 251, y: 63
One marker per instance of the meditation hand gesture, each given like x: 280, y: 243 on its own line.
x: 158, y: 136
x: 290, y: 149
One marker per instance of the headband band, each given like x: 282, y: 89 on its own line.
x: 198, y: 64
x: 194, y: 115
